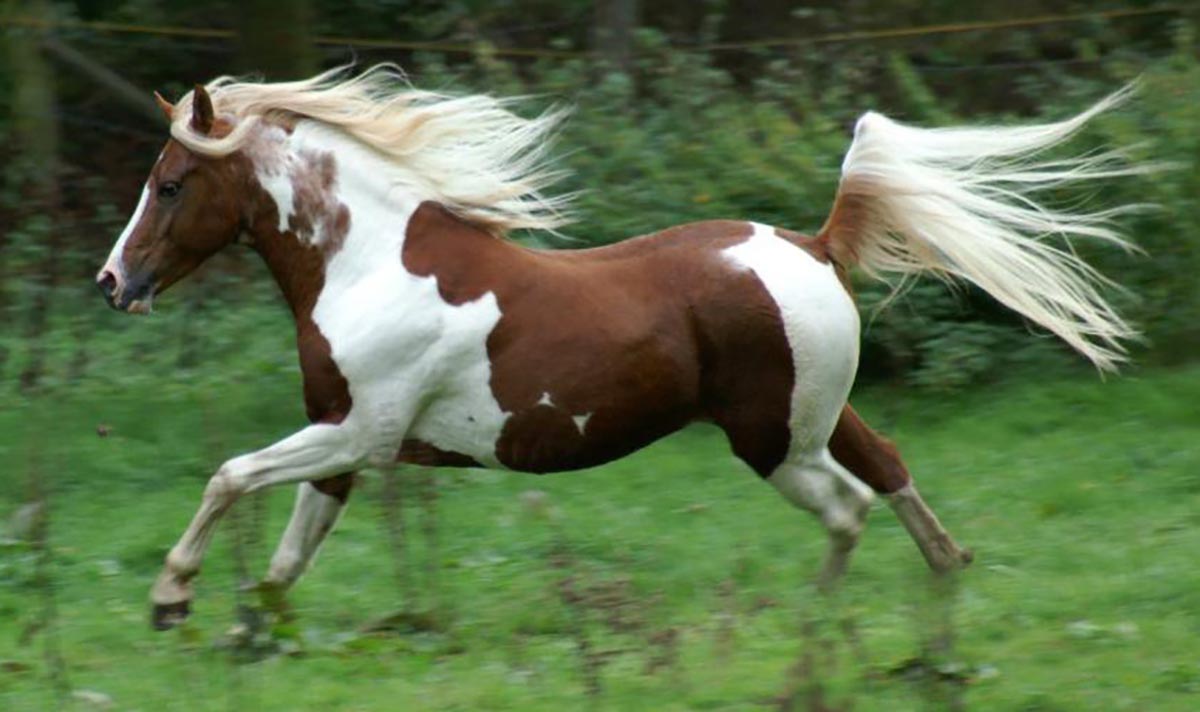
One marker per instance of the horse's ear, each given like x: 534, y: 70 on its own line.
x: 202, y: 111
x: 165, y: 106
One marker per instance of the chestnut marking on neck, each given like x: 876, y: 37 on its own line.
x: 303, y: 184
x: 299, y: 225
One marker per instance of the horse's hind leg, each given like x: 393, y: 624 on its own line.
x: 816, y: 482
x: 318, y: 506
x: 875, y: 461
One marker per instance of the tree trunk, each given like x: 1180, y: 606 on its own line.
x: 275, y: 39
x: 35, y: 130
x: 615, y: 22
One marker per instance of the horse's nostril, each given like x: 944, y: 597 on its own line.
x: 107, y: 282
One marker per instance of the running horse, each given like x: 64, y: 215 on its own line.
x: 426, y: 337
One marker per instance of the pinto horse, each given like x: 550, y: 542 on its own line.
x: 426, y: 337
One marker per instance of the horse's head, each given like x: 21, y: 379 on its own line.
x: 191, y: 207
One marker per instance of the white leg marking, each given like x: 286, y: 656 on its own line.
x: 822, y: 326
x: 939, y: 549
x: 315, y: 452
x: 313, y: 517
x: 820, y: 485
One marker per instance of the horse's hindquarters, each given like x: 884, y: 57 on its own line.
x: 783, y: 395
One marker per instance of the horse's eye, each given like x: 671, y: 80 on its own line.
x: 169, y: 189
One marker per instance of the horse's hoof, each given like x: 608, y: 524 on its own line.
x: 966, y: 556
x: 166, y: 616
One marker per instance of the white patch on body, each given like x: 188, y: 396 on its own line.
x: 822, y: 328
x: 417, y: 366
x: 545, y: 400
x: 278, y: 185
x: 274, y: 159
x: 821, y: 323
x: 581, y: 421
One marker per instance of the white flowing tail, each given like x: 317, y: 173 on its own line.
x: 958, y: 202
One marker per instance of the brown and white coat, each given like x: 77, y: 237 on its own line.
x: 425, y: 338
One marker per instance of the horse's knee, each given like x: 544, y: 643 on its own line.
x: 181, y: 565
x: 219, y: 486
x: 227, y: 484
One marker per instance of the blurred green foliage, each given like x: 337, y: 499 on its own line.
x: 685, y: 135
x: 1054, y: 616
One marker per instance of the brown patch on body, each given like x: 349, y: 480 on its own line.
x: 639, y: 338
x: 843, y: 231
x: 871, y: 457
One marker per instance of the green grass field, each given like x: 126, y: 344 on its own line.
x: 672, y: 580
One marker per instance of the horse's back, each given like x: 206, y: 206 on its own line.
x: 599, y: 352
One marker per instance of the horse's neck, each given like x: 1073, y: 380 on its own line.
x: 336, y: 211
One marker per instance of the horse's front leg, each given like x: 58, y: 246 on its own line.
x: 315, y: 452
x: 319, y: 505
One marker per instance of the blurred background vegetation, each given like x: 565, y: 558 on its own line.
x: 683, y: 111
x: 662, y: 580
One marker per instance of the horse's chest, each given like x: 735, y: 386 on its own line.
x: 416, y: 367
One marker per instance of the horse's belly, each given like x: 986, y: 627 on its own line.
x: 544, y: 437
x: 464, y: 424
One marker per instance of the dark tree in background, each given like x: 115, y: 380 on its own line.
x: 615, y: 22
x: 35, y: 134
x: 726, y: 109
x: 275, y: 40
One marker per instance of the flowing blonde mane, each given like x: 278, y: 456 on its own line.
x: 469, y: 153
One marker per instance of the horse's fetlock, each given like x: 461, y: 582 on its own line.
x: 179, y: 565
x: 846, y: 523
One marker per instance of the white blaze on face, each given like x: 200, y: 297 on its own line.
x: 115, y: 263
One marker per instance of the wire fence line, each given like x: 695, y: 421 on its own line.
x: 483, y: 47
x: 102, y: 32
x: 140, y: 133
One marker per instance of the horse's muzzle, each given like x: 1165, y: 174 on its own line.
x: 107, y: 282
x: 133, y: 296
